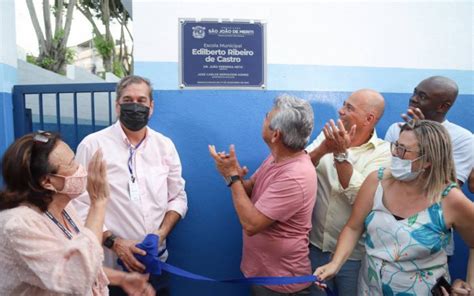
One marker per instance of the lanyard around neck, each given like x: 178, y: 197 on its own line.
x: 66, y: 232
x: 132, y: 151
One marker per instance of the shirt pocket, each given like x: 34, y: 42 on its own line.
x: 157, y: 182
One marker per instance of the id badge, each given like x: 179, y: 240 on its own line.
x: 134, y: 192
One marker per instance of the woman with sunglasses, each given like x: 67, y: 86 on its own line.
x: 406, y: 213
x: 44, y: 249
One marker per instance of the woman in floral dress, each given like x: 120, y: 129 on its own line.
x: 405, y: 214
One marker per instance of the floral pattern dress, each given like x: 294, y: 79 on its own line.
x: 403, y: 257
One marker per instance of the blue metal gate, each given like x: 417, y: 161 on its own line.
x: 73, y: 110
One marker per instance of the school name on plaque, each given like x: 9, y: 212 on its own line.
x: 225, y: 54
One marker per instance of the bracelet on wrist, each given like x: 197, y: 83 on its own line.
x: 110, y: 241
x: 232, y: 179
x: 341, y: 157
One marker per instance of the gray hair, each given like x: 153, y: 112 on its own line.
x: 132, y: 79
x: 295, y: 120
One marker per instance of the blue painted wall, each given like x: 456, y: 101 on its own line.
x: 7, y: 78
x: 164, y: 75
x: 208, y: 241
x: 6, y: 119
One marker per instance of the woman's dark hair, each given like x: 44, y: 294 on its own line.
x: 24, y: 165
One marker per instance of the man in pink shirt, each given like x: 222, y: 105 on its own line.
x: 146, y: 186
x: 274, y: 206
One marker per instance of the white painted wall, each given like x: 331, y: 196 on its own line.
x: 402, y: 34
x: 7, y: 72
x: 7, y: 49
x: 7, y: 33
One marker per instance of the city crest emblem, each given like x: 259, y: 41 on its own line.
x: 199, y: 32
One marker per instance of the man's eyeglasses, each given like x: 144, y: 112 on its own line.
x: 41, y: 137
x: 400, y: 150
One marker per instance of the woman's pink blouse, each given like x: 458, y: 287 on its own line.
x: 36, y: 258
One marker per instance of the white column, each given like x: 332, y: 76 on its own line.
x: 8, y: 71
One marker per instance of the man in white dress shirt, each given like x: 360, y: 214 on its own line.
x: 146, y: 186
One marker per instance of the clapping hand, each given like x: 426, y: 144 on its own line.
x: 338, y: 140
x: 227, y: 163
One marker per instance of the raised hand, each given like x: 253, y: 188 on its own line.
x: 97, y: 183
x: 243, y: 171
x: 227, y: 164
x: 413, y: 113
x: 338, y: 140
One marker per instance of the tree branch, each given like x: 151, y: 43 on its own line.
x: 106, y: 19
x: 47, y: 21
x: 36, y: 26
x: 90, y: 18
x: 67, y: 25
x: 123, y: 21
x: 59, y: 17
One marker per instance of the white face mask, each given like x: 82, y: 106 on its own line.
x: 402, y: 170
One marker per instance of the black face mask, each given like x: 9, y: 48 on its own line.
x: 134, y: 116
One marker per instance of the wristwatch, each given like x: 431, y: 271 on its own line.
x: 341, y: 157
x: 230, y: 180
x: 109, y: 241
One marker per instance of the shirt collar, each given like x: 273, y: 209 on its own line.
x: 374, y: 141
x: 120, y: 132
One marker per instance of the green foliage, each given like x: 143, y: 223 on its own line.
x: 117, y: 69
x: 104, y: 47
x: 70, y: 56
x: 58, y: 37
x: 46, y: 62
x: 31, y: 59
x: 115, y: 6
x: 96, y: 11
x: 53, y: 52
